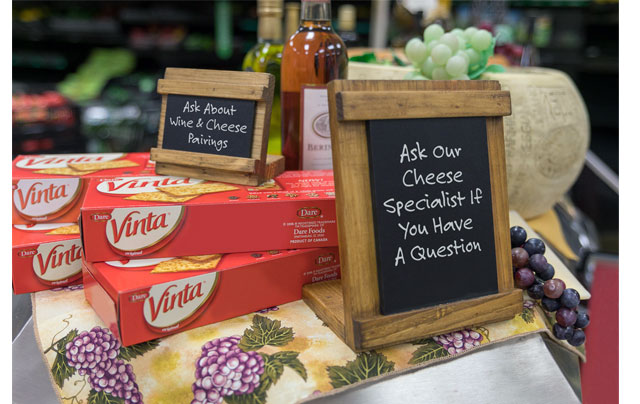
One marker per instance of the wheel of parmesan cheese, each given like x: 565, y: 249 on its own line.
x: 546, y: 137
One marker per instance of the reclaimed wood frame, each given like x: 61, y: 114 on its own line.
x: 351, y: 306
x: 253, y: 86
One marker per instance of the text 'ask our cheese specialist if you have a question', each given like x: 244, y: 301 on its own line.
x: 413, y: 177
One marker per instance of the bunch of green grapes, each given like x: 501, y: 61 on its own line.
x: 455, y: 55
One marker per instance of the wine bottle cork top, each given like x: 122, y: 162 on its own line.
x: 347, y: 17
x: 270, y: 7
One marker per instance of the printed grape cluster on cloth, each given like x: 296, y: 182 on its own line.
x: 534, y: 274
x: 100, y: 358
x: 455, y: 55
x: 231, y: 369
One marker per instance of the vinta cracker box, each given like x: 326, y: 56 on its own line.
x: 50, y: 187
x: 164, y: 216
x: 45, y: 256
x: 144, y: 299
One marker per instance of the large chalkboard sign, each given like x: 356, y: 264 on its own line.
x: 209, y: 125
x: 214, y: 125
x: 421, y: 205
x: 431, y: 196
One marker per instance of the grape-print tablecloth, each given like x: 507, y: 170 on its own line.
x: 280, y: 355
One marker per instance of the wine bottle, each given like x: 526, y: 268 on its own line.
x: 347, y: 25
x: 291, y: 18
x: 313, y: 56
x: 266, y: 57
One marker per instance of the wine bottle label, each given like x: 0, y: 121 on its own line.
x: 315, y: 134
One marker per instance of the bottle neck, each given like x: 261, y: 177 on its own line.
x: 292, y: 19
x: 346, y: 18
x: 270, y: 28
x: 316, y: 10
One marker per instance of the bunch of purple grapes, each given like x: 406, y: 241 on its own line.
x: 95, y: 353
x: 224, y: 369
x: 534, y: 274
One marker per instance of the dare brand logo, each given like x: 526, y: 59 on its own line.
x: 100, y: 217
x: 136, y: 185
x: 39, y: 198
x: 43, y: 161
x: 171, y: 303
x: 308, y: 213
x: 29, y: 252
x: 326, y: 259
x: 136, y: 229
x: 57, y: 261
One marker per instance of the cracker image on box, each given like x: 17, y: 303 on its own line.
x: 182, y: 264
x: 158, y: 197
x: 64, y: 171
x: 72, y: 229
x: 103, y: 165
x: 270, y: 185
x: 195, y: 190
x: 201, y: 257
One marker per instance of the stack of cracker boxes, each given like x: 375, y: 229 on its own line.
x: 48, y: 191
x: 165, y: 254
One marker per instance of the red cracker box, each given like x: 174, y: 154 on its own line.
x: 161, y: 216
x: 50, y: 187
x: 45, y: 256
x: 140, y: 300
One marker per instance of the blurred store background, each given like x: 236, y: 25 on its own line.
x: 84, y: 73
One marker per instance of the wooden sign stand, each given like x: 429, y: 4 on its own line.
x: 351, y: 306
x: 257, y: 87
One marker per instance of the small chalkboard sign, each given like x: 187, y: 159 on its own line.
x: 431, y: 199
x: 214, y: 125
x: 209, y: 125
x: 421, y: 203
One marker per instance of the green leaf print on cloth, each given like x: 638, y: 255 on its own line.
x: 265, y: 331
x: 430, y: 351
x: 60, y: 370
x: 129, y: 352
x: 364, y: 366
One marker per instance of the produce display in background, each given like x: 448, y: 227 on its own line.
x: 124, y: 117
x: 533, y: 273
x: 43, y: 122
x: 91, y: 77
x: 455, y: 55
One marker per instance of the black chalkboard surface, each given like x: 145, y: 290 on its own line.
x: 220, y: 126
x: 432, y: 209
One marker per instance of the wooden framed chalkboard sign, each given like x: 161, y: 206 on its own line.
x: 421, y: 200
x: 215, y: 125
